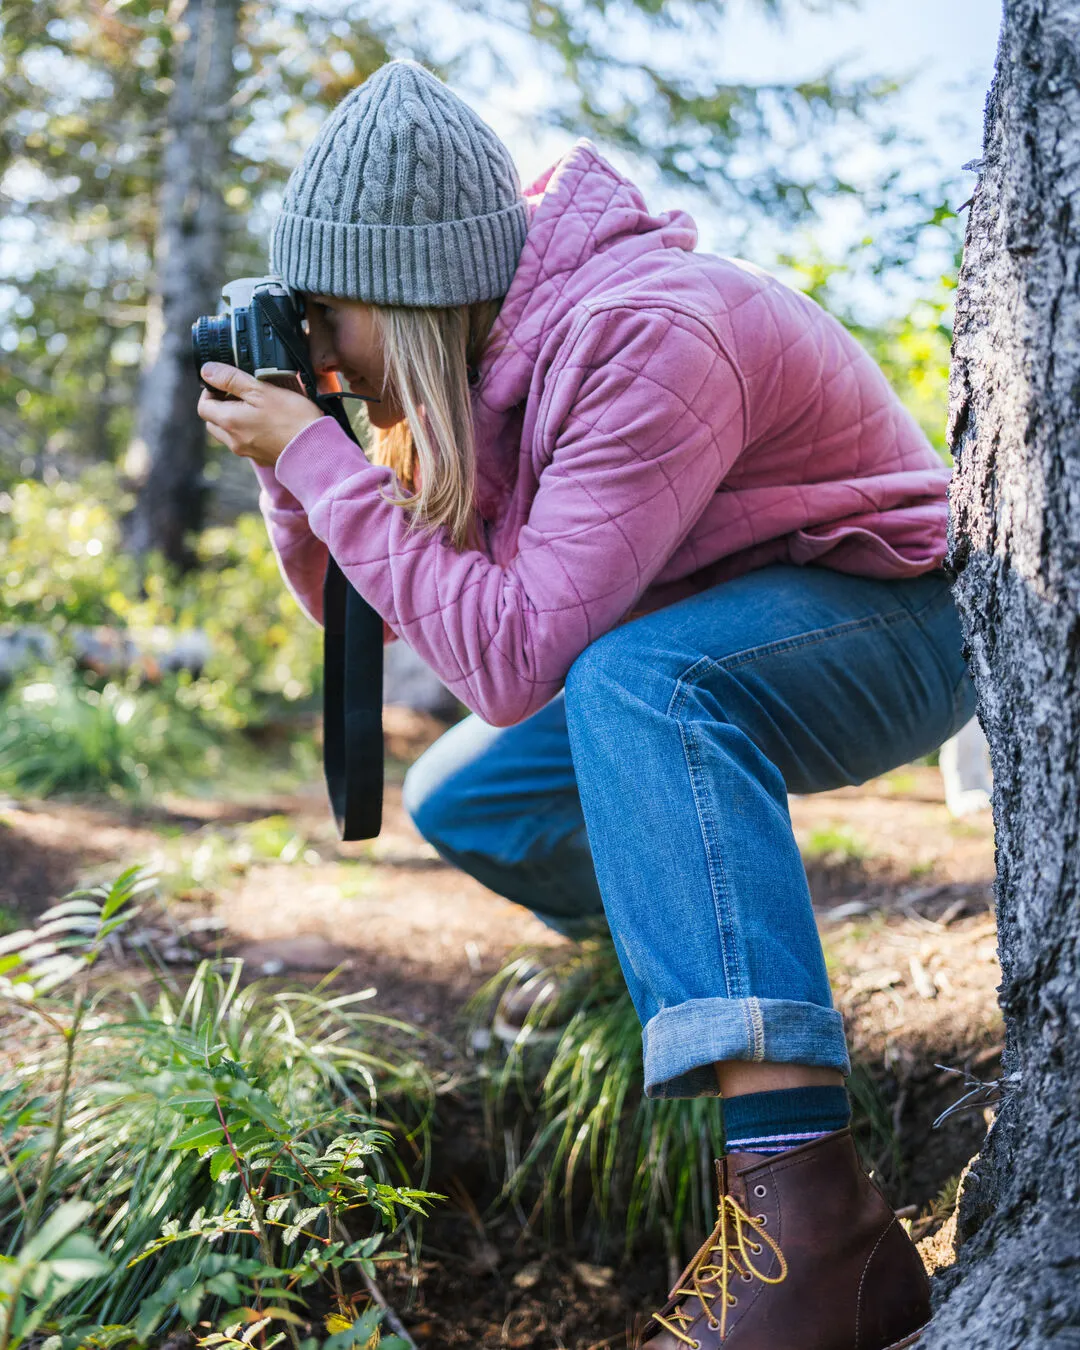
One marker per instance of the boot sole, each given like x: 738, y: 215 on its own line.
x: 913, y: 1339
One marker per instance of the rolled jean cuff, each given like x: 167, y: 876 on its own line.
x: 682, y: 1044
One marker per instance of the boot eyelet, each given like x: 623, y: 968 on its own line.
x: 756, y: 1248
x: 746, y: 1277
x: 695, y: 1345
x: 762, y: 1219
x: 714, y: 1324
x: 760, y: 1192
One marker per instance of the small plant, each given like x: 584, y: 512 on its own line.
x: 64, y: 566
x: 634, y: 1166
x: 52, y: 1259
x: 834, y: 846
x: 196, y: 864
x: 59, y: 736
x: 235, y: 1161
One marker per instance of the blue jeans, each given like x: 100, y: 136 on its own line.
x: 653, y: 790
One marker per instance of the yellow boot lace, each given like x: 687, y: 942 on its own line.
x: 735, y: 1239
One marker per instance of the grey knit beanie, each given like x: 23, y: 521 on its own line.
x: 405, y: 197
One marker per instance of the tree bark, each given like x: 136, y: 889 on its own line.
x: 1014, y: 429
x: 189, y: 256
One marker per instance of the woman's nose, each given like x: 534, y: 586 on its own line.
x: 324, y: 360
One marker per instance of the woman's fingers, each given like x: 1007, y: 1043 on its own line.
x: 209, y: 410
x: 229, y: 379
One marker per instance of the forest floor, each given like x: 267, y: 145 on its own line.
x: 903, y: 896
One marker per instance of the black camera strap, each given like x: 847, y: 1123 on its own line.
x: 352, y: 664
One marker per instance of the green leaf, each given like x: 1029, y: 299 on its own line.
x: 225, y: 1284
x: 221, y: 1163
x: 277, y: 1209
x: 79, y: 1248
x: 77, y: 905
x: 299, y: 1222
x: 203, y: 1134
x: 63, y: 1221
x: 126, y: 885
x: 359, y: 1335
x: 190, y: 1301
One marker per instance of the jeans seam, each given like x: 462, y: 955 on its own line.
x: 757, y: 1023
x: 811, y: 639
x: 725, y: 928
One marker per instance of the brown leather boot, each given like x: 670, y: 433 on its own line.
x: 806, y: 1255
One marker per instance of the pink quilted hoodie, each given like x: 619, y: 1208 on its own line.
x: 649, y: 421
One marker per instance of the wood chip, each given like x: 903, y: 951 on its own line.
x: 870, y: 981
x: 529, y: 1276
x: 921, y: 979
x: 594, y: 1277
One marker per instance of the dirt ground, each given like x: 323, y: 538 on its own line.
x: 903, y: 895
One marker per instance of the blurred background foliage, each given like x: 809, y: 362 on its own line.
x: 72, y: 729
x: 85, y: 99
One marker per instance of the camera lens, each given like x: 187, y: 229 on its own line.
x: 211, y: 339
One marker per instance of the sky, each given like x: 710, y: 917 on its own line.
x: 944, y: 48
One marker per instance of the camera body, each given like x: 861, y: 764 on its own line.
x: 246, y: 333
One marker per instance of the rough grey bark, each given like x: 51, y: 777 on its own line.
x: 188, y: 263
x: 1015, y: 545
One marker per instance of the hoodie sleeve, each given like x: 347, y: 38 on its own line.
x: 301, y: 557
x: 629, y: 465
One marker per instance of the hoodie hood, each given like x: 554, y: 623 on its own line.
x: 587, y: 222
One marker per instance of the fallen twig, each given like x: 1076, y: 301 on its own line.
x: 978, y: 1095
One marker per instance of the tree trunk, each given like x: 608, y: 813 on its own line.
x: 1015, y: 545
x: 171, y: 438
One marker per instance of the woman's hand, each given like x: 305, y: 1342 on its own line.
x: 261, y: 419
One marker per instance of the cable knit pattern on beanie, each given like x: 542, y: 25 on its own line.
x: 402, y: 152
x: 303, y: 185
x: 469, y: 201
x: 427, y: 203
x: 373, y: 207
x: 331, y: 179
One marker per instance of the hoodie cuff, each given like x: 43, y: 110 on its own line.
x: 279, y: 498
x: 318, y: 459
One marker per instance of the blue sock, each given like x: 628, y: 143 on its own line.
x: 772, y: 1122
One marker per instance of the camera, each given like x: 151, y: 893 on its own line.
x: 260, y: 330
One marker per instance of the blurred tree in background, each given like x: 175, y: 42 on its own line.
x: 139, y: 170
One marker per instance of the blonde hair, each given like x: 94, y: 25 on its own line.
x: 429, y: 356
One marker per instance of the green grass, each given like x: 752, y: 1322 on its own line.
x: 835, y: 845
x: 585, y: 1151
x: 317, y: 1054
x: 210, y: 857
x: 60, y: 736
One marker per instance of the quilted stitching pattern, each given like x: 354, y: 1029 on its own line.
x: 648, y: 420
